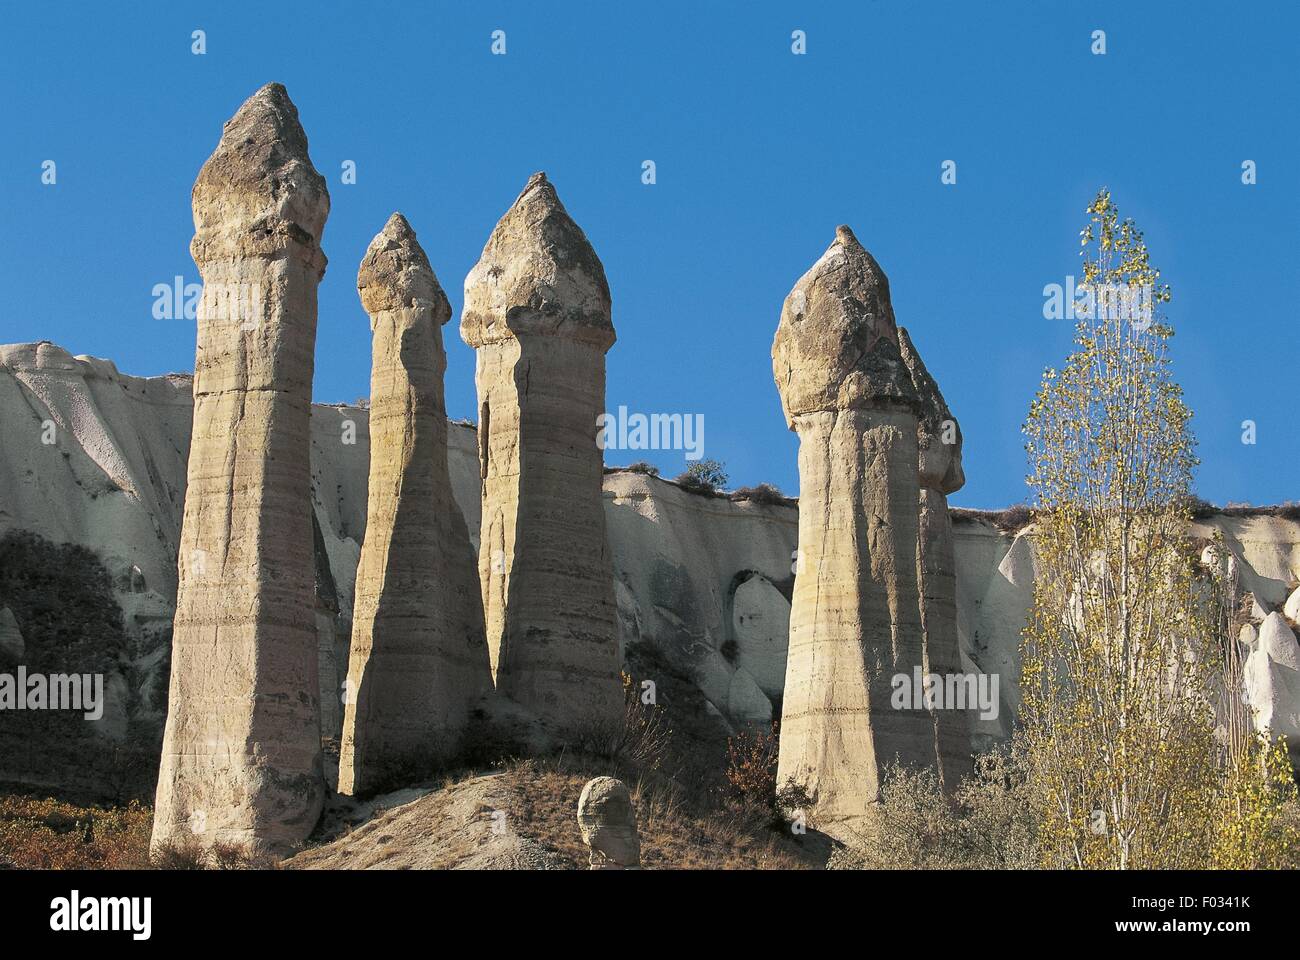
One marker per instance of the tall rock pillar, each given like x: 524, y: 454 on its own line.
x: 419, y: 656
x: 940, y: 473
x: 537, y: 310
x: 855, y: 620
x: 241, y: 759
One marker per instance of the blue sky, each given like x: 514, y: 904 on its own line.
x: 759, y: 154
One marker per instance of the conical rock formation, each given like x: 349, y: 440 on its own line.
x: 855, y: 620
x: 537, y: 310
x: 418, y: 656
x: 241, y: 757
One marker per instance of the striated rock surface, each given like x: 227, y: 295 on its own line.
x: 537, y: 310
x: 940, y: 473
x: 694, y: 576
x: 608, y: 823
x: 241, y: 759
x: 855, y: 619
x: 418, y: 654
x: 704, y: 584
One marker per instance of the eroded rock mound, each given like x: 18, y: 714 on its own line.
x: 608, y: 822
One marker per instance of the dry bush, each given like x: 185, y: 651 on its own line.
x: 763, y: 493
x: 190, y: 854
x: 1011, y: 520
x: 47, y: 834
x: 751, y: 766
x: 179, y: 855
x: 641, y: 738
x: 1014, y: 518
x: 988, y: 825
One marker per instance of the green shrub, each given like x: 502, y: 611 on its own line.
x: 704, y: 476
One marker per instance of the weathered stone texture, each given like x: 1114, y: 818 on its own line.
x: 855, y: 617
x: 537, y: 310
x: 940, y: 472
x: 419, y: 656
x: 608, y: 823
x: 241, y: 755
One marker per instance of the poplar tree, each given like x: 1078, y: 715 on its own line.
x: 1122, y: 652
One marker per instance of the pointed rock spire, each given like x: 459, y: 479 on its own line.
x: 259, y: 189
x: 241, y: 758
x: 418, y: 657
x: 537, y: 275
x: 395, y: 273
x: 537, y: 311
x: 837, y: 344
x: 855, y: 617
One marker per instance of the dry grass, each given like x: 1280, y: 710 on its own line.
x: 988, y: 825
x: 1011, y: 520
x: 45, y: 833
x: 42, y: 833
x: 678, y: 831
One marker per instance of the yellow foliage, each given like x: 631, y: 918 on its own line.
x: 1123, y: 655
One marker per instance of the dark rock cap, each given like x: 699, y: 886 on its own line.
x: 538, y: 275
x: 940, y: 462
x: 395, y: 273
x: 259, y: 192
x: 836, y: 346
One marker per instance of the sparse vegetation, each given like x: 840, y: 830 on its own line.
x: 990, y: 823
x: 763, y: 493
x: 641, y: 466
x: 43, y: 833
x: 751, y: 766
x: 704, y: 476
x: 642, y: 738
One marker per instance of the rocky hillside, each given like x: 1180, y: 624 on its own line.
x: 97, y: 458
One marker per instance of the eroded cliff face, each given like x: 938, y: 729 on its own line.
x: 702, y: 582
